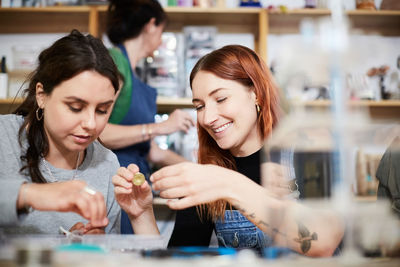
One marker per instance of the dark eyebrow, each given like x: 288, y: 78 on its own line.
x: 77, y: 99
x: 106, y: 103
x: 210, y: 94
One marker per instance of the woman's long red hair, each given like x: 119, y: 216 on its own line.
x: 243, y: 65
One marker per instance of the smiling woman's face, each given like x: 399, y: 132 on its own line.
x: 76, y: 111
x: 226, y: 110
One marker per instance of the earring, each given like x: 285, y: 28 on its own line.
x: 258, y: 109
x: 39, y: 117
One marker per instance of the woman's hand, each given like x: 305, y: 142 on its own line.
x: 70, y: 196
x: 275, y: 178
x: 190, y: 184
x: 87, y: 229
x: 178, y: 120
x: 135, y: 200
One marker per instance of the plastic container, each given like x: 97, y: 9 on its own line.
x: 25, y: 57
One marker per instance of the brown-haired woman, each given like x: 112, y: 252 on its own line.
x: 135, y: 29
x: 50, y: 159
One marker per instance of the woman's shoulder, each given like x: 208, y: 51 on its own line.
x: 102, y: 154
x: 10, y: 122
x: 119, y: 58
x: 12, y: 119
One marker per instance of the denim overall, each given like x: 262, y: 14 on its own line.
x: 238, y: 232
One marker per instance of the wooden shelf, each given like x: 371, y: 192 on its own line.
x: 358, y: 103
x: 384, y: 22
x: 377, y: 110
x: 92, y: 19
x: 232, y: 20
x: 45, y: 19
x: 167, y: 105
x: 227, y: 20
x: 365, y: 198
x: 257, y: 21
x: 10, y: 101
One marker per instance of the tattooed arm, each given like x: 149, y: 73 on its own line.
x: 305, y: 230
x: 308, y: 231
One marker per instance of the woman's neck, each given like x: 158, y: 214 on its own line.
x: 247, y: 149
x: 135, y: 50
x: 253, y: 142
x: 65, y: 160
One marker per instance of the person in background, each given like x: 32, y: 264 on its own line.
x: 237, y: 109
x: 388, y: 175
x: 135, y: 28
x: 50, y: 159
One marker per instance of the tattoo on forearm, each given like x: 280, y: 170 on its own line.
x: 305, y: 238
x: 304, y: 235
x: 260, y: 222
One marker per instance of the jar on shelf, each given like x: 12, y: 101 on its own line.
x: 365, y: 4
x: 310, y: 3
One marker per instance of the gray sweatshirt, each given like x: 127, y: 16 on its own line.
x: 99, y: 165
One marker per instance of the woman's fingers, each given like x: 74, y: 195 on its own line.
x: 173, y: 192
x: 144, y: 188
x: 79, y: 226
x: 95, y: 208
x: 82, y: 207
x: 119, y: 181
x: 72, y: 196
x: 169, y: 171
x: 133, y: 168
x: 90, y: 229
x: 183, y: 203
x: 122, y: 191
x: 162, y: 183
x: 101, y: 208
x: 125, y: 173
x: 95, y: 231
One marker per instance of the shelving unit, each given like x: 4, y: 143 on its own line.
x: 378, y: 110
x: 383, y: 22
x: 365, y: 199
x: 48, y: 19
x: 259, y: 22
x: 167, y: 105
x: 92, y: 19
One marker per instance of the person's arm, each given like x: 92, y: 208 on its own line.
x: 9, y: 190
x: 136, y: 201
x: 116, y: 136
x: 163, y: 157
x: 70, y: 196
x: 307, y: 231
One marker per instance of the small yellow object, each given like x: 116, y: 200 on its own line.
x: 138, y: 179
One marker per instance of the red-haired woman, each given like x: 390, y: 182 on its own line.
x: 237, y: 108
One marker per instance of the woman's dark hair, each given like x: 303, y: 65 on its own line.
x: 127, y: 18
x: 66, y: 58
x: 241, y: 64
